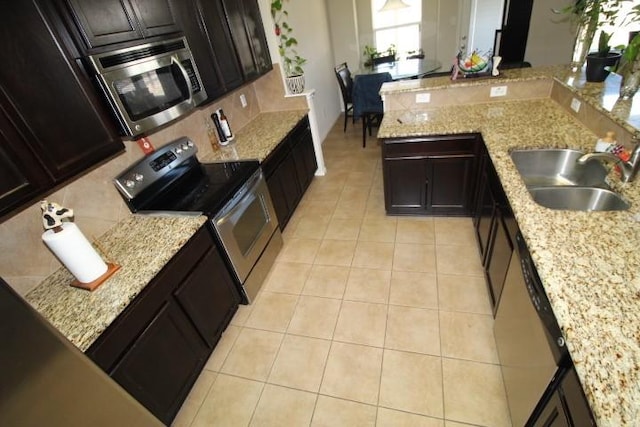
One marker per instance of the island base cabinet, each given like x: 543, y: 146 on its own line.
x: 405, y: 185
x: 163, y: 363
x: 429, y: 175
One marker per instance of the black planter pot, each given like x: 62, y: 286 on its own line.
x: 596, y: 64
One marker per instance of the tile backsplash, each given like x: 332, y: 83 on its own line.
x: 97, y: 206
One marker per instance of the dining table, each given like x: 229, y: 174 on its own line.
x: 402, y: 69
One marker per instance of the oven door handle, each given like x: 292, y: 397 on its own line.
x: 185, y: 75
x: 240, y: 201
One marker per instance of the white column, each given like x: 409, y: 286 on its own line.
x: 315, y: 134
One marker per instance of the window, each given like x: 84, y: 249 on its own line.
x: 400, y: 27
x: 620, y: 31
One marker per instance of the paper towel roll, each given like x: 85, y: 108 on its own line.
x: 75, y: 252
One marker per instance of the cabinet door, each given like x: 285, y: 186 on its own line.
x: 406, y: 185
x: 553, y: 414
x: 104, y: 22
x: 155, y: 17
x: 248, y: 36
x: 48, y: 97
x: 235, y: 18
x: 257, y: 39
x: 284, y: 189
x: 163, y: 363
x: 498, y: 258
x: 305, y: 158
x: 21, y: 177
x: 219, y: 38
x: 209, y: 297
x: 450, y: 185
x: 484, y: 216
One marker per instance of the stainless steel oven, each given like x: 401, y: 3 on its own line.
x: 150, y: 84
x: 245, y: 226
x: 233, y: 195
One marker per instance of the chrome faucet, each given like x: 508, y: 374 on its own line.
x: 628, y: 169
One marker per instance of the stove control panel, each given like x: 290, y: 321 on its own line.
x: 132, y: 181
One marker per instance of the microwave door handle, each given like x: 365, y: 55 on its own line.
x: 175, y: 60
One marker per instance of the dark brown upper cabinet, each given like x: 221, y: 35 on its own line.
x: 227, y: 41
x: 52, y: 124
x: 247, y: 31
x: 104, y: 22
x: 204, y: 24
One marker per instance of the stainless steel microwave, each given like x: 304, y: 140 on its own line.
x: 150, y: 84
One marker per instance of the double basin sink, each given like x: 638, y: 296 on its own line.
x: 556, y: 180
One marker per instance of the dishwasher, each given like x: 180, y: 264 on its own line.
x: 530, y: 345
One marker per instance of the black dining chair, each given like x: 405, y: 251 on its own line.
x: 367, y: 102
x: 346, y: 88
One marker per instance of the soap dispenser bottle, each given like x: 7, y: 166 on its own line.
x: 607, y: 143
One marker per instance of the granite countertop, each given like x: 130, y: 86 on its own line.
x: 588, y: 261
x: 258, y: 138
x: 141, y: 245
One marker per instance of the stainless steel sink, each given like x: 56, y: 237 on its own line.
x: 550, y: 167
x: 578, y: 198
x: 556, y: 180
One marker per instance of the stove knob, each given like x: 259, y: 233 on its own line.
x: 178, y: 150
x: 129, y: 184
x: 138, y: 177
x: 185, y: 147
x: 189, y: 144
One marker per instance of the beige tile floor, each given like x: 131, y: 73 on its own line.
x: 364, y: 320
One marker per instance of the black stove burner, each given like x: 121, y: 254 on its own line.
x: 203, y: 187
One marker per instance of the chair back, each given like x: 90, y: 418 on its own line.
x: 345, y: 82
x: 366, y: 93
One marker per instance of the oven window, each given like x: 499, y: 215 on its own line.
x: 249, y: 225
x: 146, y: 94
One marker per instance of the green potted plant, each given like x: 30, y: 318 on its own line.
x: 629, y: 68
x: 588, y: 16
x: 370, y: 53
x: 597, y: 62
x: 629, y: 65
x: 292, y: 62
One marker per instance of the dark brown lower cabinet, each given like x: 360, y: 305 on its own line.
x: 432, y: 175
x: 163, y: 363
x: 157, y: 347
x: 495, y: 228
x: 565, y: 406
x: 289, y: 170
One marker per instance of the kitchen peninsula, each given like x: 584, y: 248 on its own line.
x: 588, y: 261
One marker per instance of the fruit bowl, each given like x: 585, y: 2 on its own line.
x: 473, y: 63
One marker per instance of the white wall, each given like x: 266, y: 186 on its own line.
x: 310, y: 24
x: 550, y: 39
x: 343, y: 27
x: 486, y: 18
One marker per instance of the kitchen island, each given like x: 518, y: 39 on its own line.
x: 588, y: 261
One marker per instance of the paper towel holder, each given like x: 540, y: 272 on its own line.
x: 91, y: 286
x: 52, y: 216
